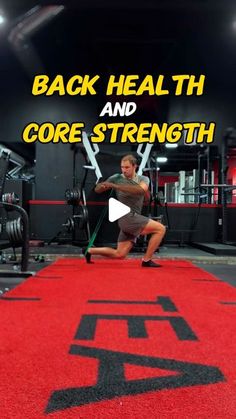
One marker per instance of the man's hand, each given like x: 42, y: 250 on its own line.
x: 107, y: 185
x: 104, y: 186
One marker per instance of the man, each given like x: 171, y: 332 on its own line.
x: 130, y: 190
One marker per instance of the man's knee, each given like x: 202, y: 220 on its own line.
x: 159, y: 228
x: 120, y: 254
x: 162, y: 229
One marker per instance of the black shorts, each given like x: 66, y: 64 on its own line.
x: 131, y: 226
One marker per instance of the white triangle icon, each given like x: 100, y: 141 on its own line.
x: 116, y: 209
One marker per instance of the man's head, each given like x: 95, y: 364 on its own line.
x: 128, y: 166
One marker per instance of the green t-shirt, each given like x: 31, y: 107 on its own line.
x: 135, y: 202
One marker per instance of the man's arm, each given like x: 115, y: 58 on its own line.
x: 133, y: 189
x: 100, y: 188
x: 104, y: 186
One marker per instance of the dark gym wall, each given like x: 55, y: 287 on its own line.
x: 211, y: 107
x: 203, y: 222
x: 54, y: 163
x: 54, y: 173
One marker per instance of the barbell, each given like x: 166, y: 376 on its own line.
x: 78, y: 220
x: 14, y: 230
x: 10, y: 198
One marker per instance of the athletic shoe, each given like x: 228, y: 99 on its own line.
x: 87, y: 255
x: 150, y: 264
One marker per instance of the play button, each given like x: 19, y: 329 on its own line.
x: 116, y: 209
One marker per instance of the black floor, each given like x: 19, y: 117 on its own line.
x: 225, y: 272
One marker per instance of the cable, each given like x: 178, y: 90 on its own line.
x: 97, y: 228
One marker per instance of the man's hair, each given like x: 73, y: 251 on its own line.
x: 132, y: 159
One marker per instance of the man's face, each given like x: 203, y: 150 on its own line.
x: 128, y: 170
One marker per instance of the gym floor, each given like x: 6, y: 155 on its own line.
x: 223, y: 267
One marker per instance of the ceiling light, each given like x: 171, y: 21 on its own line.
x: 161, y: 159
x: 170, y: 145
x: 2, y: 19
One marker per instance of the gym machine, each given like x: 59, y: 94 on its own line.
x: 224, y: 190
x: 220, y: 192
x: 17, y: 229
x: 78, y: 224
x: 188, y: 190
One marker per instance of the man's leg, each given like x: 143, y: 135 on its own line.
x: 120, y: 252
x: 157, y: 231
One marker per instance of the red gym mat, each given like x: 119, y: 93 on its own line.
x: 116, y: 340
